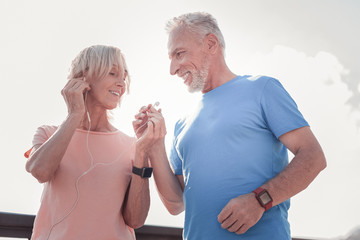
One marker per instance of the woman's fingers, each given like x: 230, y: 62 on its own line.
x: 149, y: 116
x: 75, y: 87
x: 73, y: 94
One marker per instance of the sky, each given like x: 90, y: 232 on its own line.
x: 312, y: 47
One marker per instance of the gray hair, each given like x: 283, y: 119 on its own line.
x: 198, y: 22
x: 96, y: 61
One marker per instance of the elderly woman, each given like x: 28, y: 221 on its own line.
x: 96, y: 177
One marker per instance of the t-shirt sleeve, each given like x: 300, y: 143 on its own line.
x: 175, y: 160
x: 42, y: 134
x: 280, y: 110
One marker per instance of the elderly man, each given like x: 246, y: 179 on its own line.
x: 229, y: 164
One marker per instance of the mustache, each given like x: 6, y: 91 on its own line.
x: 183, y: 73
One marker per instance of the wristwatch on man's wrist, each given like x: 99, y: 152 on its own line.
x: 144, y: 172
x: 263, y: 198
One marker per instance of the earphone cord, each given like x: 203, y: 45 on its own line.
x: 92, y: 166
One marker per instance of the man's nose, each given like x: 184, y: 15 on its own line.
x: 174, y: 67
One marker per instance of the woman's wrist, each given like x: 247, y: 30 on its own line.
x: 74, y: 120
x: 141, y: 158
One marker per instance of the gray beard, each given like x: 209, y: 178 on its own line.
x: 199, y: 80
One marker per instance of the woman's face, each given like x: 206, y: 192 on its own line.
x: 106, y: 92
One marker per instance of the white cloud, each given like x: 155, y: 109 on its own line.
x: 290, y: 63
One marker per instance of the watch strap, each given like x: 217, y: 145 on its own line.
x: 137, y: 171
x: 144, y: 172
x: 258, y: 192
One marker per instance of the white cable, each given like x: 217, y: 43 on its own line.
x: 92, y: 166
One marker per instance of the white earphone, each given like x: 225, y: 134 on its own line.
x: 92, y: 166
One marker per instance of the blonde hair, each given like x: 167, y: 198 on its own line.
x: 97, y: 61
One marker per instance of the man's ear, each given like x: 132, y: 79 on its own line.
x: 212, y: 43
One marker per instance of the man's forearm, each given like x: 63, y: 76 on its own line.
x: 297, y: 176
x: 168, y: 185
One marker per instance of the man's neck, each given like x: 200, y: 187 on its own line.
x: 218, y: 76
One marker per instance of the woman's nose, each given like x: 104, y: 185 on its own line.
x: 120, y: 82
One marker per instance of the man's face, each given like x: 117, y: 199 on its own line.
x: 188, y: 60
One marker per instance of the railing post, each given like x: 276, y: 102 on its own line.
x: 16, y: 225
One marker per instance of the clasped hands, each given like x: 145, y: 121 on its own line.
x: 149, y: 126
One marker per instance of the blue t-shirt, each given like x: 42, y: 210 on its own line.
x: 228, y: 147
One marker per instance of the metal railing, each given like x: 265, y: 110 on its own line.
x: 14, y: 225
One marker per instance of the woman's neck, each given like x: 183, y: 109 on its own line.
x: 97, y: 122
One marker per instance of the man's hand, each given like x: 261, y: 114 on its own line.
x: 241, y: 213
x: 150, y: 114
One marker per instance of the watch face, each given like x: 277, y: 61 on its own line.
x: 147, y: 172
x: 265, y: 198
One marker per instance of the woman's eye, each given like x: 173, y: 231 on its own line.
x: 112, y: 73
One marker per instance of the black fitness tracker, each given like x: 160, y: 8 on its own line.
x: 144, y: 172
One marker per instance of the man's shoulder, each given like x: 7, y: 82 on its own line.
x: 253, y: 83
x: 260, y: 79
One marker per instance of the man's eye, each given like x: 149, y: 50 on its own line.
x: 180, y: 54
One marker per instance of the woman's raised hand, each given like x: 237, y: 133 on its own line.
x: 74, y: 95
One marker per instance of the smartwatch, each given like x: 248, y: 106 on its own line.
x: 144, y: 172
x: 263, y: 198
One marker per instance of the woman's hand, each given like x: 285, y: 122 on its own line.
x: 141, y: 121
x: 73, y: 94
x: 149, y: 126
